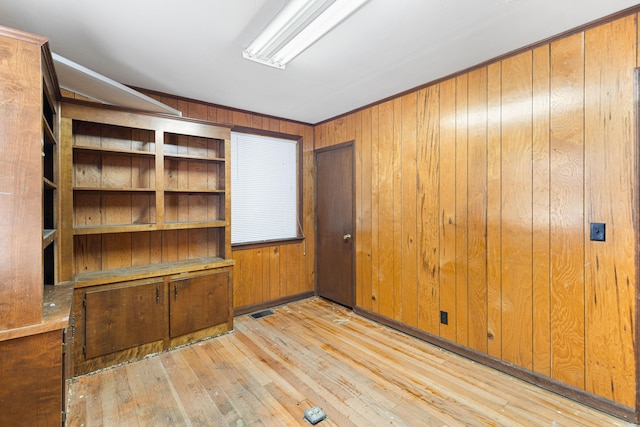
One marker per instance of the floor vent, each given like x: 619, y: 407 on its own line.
x: 263, y: 313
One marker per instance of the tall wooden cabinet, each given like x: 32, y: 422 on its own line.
x: 146, y: 212
x: 34, y: 308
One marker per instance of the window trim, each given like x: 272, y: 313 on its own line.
x: 299, y: 184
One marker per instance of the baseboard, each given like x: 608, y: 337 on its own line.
x: 581, y: 396
x: 245, y: 309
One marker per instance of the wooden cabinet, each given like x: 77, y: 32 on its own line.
x: 147, y: 208
x: 198, y: 302
x: 32, y: 380
x: 121, y: 321
x: 35, y: 309
x: 122, y: 317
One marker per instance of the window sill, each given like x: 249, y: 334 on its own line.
x: 266, y: 243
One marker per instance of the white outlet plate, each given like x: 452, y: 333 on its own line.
x: 314, y: 415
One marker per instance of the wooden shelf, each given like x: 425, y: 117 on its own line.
x: 114, y: 151
x: 169, y: 190
x: 109, y: 229
x: 115, y: 190
x: 48, y: 236
x: 193, y: 158
x: 49, y: 184
x: 149, y: 271
x: 49, y: 137
x: 194, y: 224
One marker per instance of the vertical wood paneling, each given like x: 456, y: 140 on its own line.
x: 567, y: 210
x: 428, y: 198
x: 224, y: 116
x: 357, y: 195
x: 197, y: 111
x: 541, y: 236
x: 283, y: 252
x: 239, y: 118
x: 494, y: 211
x: 398, y: 285
x: 242, y: 273
x: 409, y: 295
x: 517, y: 280
x: 257, y: 282
x: 273, y: 287
x: 364, y: 147
x: 266, y: 274
x: 112, y: 255
x: 307, y: 248
x: 339, y: 130
x: 461, y: 197
x: 477, y: 210
x: 610, y: 150
x: 375, y: 208
x: 292, y: 265
x: 447, y: 209
x: 385, y: 211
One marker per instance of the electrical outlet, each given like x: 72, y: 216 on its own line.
x: 314, y: 415
x: 444, y: 317
x: 598, y: 232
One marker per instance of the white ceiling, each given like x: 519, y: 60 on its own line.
x: 194, y: 48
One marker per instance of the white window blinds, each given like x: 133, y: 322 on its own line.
x: 264, y: 194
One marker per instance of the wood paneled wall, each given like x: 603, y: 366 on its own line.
x: 493, y: 178
x: 273, y: 272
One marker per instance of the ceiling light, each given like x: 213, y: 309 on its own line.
x: 298, y: 25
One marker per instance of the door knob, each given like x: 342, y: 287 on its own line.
x: 346, y: 237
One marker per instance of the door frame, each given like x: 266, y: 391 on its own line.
x: 346, y: 144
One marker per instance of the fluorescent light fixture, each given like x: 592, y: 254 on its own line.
x: 298, y: 25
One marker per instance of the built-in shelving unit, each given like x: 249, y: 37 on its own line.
x: 49, y: 188
x: 36, y: 306
x: 149, y: 201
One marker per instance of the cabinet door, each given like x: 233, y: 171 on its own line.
x: 124, y: 317
x: 31, y: 380
x: 198, y: 302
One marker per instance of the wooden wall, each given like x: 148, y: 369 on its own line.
x: 495, y: 177
x: 273, y: 272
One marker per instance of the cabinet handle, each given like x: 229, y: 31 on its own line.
x: 175, y: 291
x: 157, y: 294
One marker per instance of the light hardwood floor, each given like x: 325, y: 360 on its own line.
x: 270, y: 370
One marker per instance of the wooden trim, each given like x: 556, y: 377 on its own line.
x: 635, y: 209
x: 49, y: 72
x: 266, y: 243
x: 56, y: 313
x: 581, y: 28
x: 549, y: 384
x: 23, y: 35
x: 210, y: 104
x: 300, y: 185
x: 78, y: 109
x: 266, y: 132
x: 149, y: 271
x: 239, y: 311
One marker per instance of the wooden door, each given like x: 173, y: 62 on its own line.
x: 335, y: 224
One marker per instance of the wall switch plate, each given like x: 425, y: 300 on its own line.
x: 314, y: 415
x: 598, y: 232
x: 444, y: 317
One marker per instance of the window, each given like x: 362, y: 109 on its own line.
x: 264, y: 188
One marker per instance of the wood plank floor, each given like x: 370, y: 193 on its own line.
x: 270, y: 370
